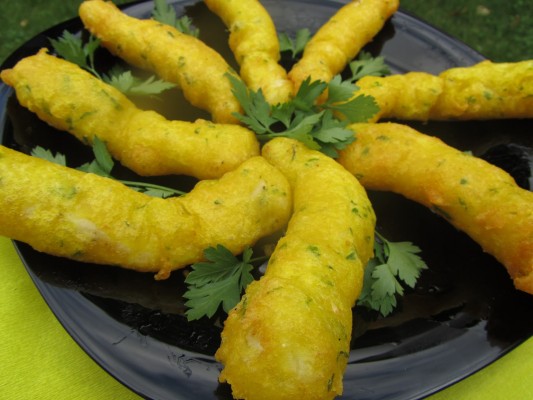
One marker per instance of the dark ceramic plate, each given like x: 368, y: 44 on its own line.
x: 464, y: 314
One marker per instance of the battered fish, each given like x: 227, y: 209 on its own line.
x: 474, y: 196
x: 340, y: 39
x: 289, y: 337
x: 486, y: 90
x: 254, y: 42
x: 89, y: 218
x: 182, y: 59
x: 71, y: 99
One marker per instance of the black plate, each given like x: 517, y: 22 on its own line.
x: 464, y: 314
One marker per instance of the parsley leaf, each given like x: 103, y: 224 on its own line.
x: 102, y: 165
x: 368, y: 65
x: 332, y: 134
x: 404, y: 262
x: 221, y: 280
x: 294, y: 46
x: 47, y: 155
x: 129, y: 84
x: 303, y: 118
x: 308, y: 93
x: 340, y: 99
x: 184, y: 25
x: 394, y: 266
x: 73, y: 49
x: 166, y: 14
x: 218, y: 281
x: 256, y: 108
x: 103, y: 162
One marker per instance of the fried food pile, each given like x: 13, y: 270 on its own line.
x: 289, y: 336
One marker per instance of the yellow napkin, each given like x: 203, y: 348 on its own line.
x: 39, y: 360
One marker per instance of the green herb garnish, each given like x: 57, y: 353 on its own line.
x: 294, y: 46
x: 129, y: 84
x: 366, y: 65
x: 394, y: 266
x: 102, y: 165
x: 301, y: 118
x: 166, y: 14
x: 73, y: 49
x: 45, y: 154
x: 223, y: 278
x: 218, y: 281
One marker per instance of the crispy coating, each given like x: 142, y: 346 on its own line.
x: 71, y: 99
x: 340, y: 39
x: 409, y: 96
x: 486, y: 90
x: 473, y: 195
x: 89, y: 218
x: 176, y: 57
x: 289, y: 337
x: 254, y: 42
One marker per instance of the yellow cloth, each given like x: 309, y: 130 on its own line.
x: 39, y: 360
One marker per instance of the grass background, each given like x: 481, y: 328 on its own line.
x: 502, y: 30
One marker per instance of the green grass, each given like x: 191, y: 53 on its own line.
x: 502, y: 30
x: 20, y: 20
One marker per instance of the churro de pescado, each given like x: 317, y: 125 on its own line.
x: 71, y: 99
x: 254, y: 42
x: 486, y: 90
x: 85, y: 217
x: 341, y: 38
x: 289, y: 337
x: 473, y: 195
x: 174, y: 56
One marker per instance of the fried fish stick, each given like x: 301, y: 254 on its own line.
x: 254, y: 42
x: 474, y: 196
x: 176, y: 57
x: 89, y: 218
x: 289, y: 337
x: 73, y: 100
x: 486, y: 90
x: 340, y: 39
x: 409, y: 96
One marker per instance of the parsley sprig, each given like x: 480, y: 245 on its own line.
x: 223, y: 277
x: 72, y: 48
x: 102, y: 165
x: 395, y: 265
x: 166, y: 14
x: 294, y: 45
x: 129, y: 84
x: 302, y: 118
x: 218, y: 281
x: 366, y: 65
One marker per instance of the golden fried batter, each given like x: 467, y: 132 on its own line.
x: 71, y: 99
x: 89, y: 218
x: 486, y: 90
x: 289, y: 337
x: 340, y: 39
x: 176, y: 57
x: 254, y: 42
x: 473, y: 195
